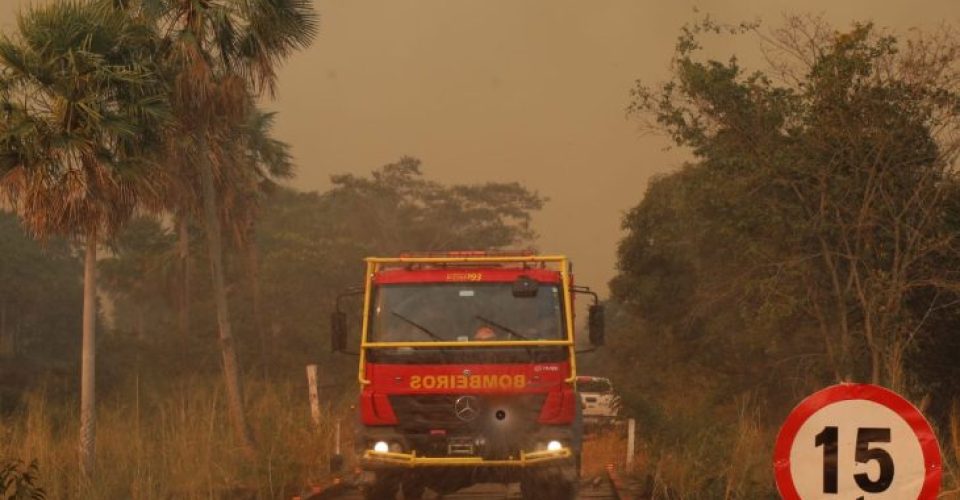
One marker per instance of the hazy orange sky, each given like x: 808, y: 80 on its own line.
x: 504, y: 90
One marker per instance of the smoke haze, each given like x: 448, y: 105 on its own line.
x: 531, y: 91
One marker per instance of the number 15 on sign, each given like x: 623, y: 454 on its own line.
x: 857, y: 441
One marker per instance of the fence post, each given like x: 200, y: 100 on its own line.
x: 631, y: 426
x: 314, y: 393
x: 336, y: 442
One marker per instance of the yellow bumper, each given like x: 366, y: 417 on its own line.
x: 412, y: 460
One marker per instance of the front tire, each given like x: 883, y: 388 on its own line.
x: 413, y: 486
x: 385, y: 486
x: 548, y: 485
x: 530, y: 487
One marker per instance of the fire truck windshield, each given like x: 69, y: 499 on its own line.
x: 465, y: 312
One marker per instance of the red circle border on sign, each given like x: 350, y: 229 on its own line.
x: 845, y: 392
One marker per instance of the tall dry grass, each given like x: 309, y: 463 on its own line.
x: 174, y: 443
x: 950, y: 449
x: 602, y: 447
x: 731, y: 458
x: 706, y: 454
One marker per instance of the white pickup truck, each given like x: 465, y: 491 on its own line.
x: 601, y: 405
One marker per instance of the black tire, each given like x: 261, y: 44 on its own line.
x: 565, y: 490
x: 530, y: 487
x: 548, y: 485
x: 385, y: 486
x: 569, y: 483
x: 413, y: 487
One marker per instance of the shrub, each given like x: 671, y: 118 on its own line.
x: 19, y: 481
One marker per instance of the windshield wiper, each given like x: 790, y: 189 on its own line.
x: 443, y: 353
x: 530, y: 352
x: 418, y: 325
x: 504, y: 328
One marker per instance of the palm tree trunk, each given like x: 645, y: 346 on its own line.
x: 183, y: 255
x: 141, y: 324
x: 231, y: 369
x: 253, y: 274
x: 6, y: 347
x: 88, y: 415
x: 15, y: 336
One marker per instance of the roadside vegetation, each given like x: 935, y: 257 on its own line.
x: 811, y: 239
x: 163, y: 415
x: 141, y: 201
x: 163, y: 440
x: 146, y: 233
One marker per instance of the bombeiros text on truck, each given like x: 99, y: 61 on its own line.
x: 468, y: 373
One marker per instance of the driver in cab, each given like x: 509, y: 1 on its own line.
x: 484, y: 333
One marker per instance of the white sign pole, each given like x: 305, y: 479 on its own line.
x: 314, y: 393
x: 336, y: 444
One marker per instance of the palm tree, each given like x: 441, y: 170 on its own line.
x: 262, y: 160
x: 182, y: 195
x: 220, y: 52
x: 138, y: 271
x: 79, y: 101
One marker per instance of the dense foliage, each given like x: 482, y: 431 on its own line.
x: 40, y: 300
x: 40, y: 296
x: 311, y: 248
x: 18, y: 481
x: 811, y: 240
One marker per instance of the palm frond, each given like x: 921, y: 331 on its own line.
x: 80, y: 100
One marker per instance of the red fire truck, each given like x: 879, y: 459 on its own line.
x: 468, y: 373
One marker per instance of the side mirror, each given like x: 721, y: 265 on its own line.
x: 338, y: 331
x: 596, y: 324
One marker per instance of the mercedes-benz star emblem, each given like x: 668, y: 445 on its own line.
x: 466, y: 408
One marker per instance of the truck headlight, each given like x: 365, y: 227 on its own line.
x: 554, y: 446
x: 381, y: 447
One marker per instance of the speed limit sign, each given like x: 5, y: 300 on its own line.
x: 857, y: 442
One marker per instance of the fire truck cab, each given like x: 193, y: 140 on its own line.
x: 468, y: 373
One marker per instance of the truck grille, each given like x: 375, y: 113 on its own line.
x: 500, y: 426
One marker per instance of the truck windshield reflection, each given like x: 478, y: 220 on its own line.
x: 465, y: 313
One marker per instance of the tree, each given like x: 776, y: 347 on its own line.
x: 220, y: 52
x: 819, y: 191
x: 263, y: 160
x: 809, y: 240
x: 138, y: 272
x: 40, y: 296
x: 80, y: 100
x: 398, y: 210
x: 312, y: 244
